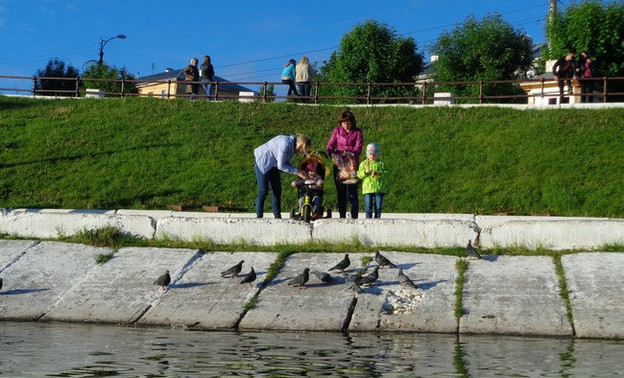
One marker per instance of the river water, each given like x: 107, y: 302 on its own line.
x: 82, y: 350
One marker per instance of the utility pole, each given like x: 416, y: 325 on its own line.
x: 552, y: 8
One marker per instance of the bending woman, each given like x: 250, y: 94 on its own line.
x: 271, y: 158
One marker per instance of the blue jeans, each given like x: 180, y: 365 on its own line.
x: 209, y: 91
x: 342, y: 191
x: 316, y: 202
x: 272, y: 177
x: 368, y: 204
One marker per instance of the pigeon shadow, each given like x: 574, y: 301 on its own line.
x: 22, y: 291
x: 386, y: 283
x: 189, y: 285
x: 407, y: 265
x: 278, y: 281
x: 429, y: 285
x: 490, y: 258
x: 375, y: 290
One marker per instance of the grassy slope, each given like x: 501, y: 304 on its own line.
x: 134, y: 153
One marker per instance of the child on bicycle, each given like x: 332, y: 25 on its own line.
x: 313, y: 184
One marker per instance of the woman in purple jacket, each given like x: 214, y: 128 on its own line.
x: 346, y: 139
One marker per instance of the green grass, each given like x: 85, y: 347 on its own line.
x: 461, y: 266
x: 564, y: 292
x: 149, y: 153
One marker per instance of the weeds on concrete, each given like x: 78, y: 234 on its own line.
x: 461, y: 265
x: 103, y: 257
x: 564, y: 292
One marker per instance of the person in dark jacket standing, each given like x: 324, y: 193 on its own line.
x: 191, y: 73
x: 585, y: 71
x: 206, y: 71
x: 564, y: 70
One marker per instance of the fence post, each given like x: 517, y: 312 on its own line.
x: 34, y: 90
x: 481, y: 92
x: 543, y: 80
x: 216, y: 95
x: 168, y: 88
x: 77, y: 92
x: 317, y: 87
x: 424, y: 94
x: 368, y: 94
x: 123, y: 85
x: 264, y: 92
x: 604, y: 89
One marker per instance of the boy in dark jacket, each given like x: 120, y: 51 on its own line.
x: 564, y: 70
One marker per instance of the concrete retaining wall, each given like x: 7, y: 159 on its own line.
x: 425, y: 230
x: 52, y: 281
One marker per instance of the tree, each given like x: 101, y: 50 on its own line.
x: 104, y: 71
x: 487, y: 49
x: 53, y: 87
x: 372, y: 52
x: 593, y: 26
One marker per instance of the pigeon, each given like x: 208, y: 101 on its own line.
x: 471, y: 252
x: 383, y: 261
x: 164, y: 280
x: 343, y: 264
x: 301, y: 279
x: 233, y: 271
x: 249, y: 277
x: 351, y: 285
x: 369, y: 278
x: 324, y: 277
x: 405, y: 280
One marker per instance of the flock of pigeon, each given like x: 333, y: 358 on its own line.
x: 353, y: 282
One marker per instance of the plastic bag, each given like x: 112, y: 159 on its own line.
x: 347, y: 167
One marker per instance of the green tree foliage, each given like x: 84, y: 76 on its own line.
x: 371, y: 52
x: 54, y: 87
x: 486, y: 49
x: 104, y: 71
x: 593, y: 26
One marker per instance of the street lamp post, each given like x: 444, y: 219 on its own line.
x: 104, y: 42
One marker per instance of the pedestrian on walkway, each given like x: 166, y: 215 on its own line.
x: 304, y: 78
x: 271, y: 158
x: 289, y: 77
x: 586, y: 70
x: 191, y: 74
x: 564, y: 70
x: 206, y: 71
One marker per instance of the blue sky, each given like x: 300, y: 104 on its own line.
x: 247, y: 40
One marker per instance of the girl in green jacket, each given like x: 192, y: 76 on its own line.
x: 372, y: 172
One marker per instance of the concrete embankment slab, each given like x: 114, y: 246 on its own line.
x: 318, y: 307
x: 52, y: 224
x: 40, y: 278
x: 122, y: 289
x: 203, y: 299
x: 388, y: 232
x: 234, y: 230
x: 389, y: 306
x: 555, y: 233
x: 13, y: 249
x: 595, y: 285
x: 513, y: 295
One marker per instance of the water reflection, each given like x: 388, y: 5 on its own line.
x: 77, y: 350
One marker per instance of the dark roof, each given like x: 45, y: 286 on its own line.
x: 178, y: 74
